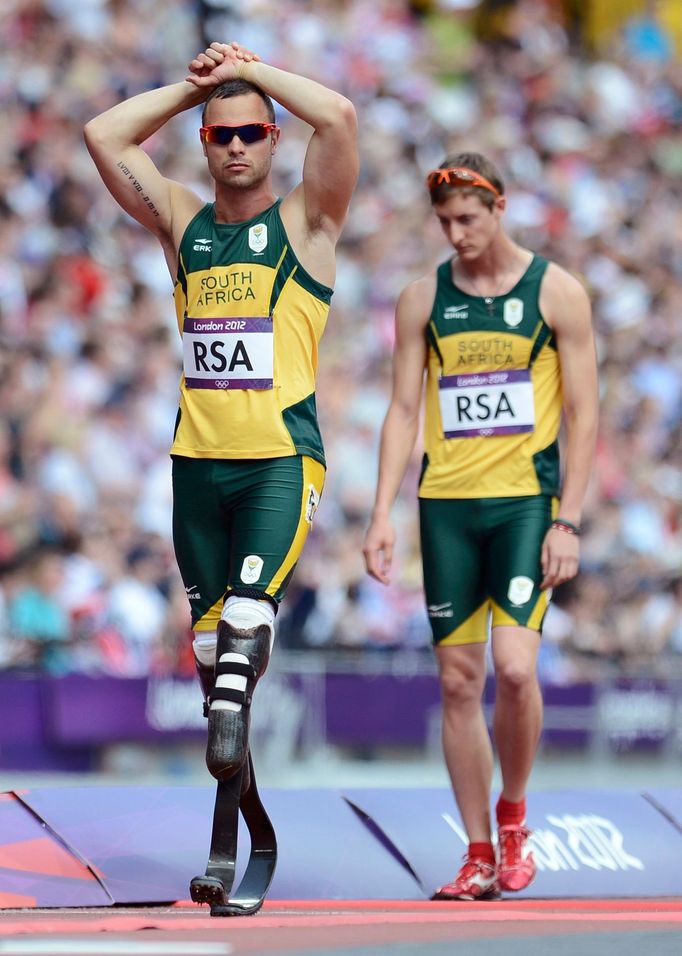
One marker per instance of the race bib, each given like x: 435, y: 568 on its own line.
x: 228, y: 353
x: 487, y: 403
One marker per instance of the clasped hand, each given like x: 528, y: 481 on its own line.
x: 218, y: 63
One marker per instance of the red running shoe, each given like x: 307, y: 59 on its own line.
x: 477, y: 880
x: 516, y: 867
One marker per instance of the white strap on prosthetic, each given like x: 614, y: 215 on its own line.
x: 242, y: 613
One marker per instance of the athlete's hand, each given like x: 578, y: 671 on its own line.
x: 559, y: 558
x: 378, y: 548
x: 218, y: 63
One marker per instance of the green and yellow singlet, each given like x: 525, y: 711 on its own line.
x: 493, y: 393
x: 251, y: 319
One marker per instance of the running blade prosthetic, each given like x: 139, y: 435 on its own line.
x: 215, y: 886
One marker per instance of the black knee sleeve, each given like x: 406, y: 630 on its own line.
x: 228, y: 730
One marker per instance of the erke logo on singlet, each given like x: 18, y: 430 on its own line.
x: 258, y: 237
x: 513, y: 312
x: 456, y: 312
x: 202, y: 245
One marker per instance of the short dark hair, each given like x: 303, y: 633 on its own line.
x: 477, y: 163
x: 238, y: 87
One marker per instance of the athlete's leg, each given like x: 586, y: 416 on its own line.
x: 466, y: 742
x: 272, y: 506
x: 204, y: 647
x: 202, y: 541
x: 238, y: 526
x: 514, y: 576
x: 513, y: 573
x: 245, y: 636
x: 517, y: 723
x: 458, y: 611
x: 271, y: 522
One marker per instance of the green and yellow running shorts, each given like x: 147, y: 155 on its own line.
x: 481, y: 557
x: 240, y: 524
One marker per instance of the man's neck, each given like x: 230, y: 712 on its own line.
x: 501, y: 256
x: 495, y: 270
x: 239, y: 205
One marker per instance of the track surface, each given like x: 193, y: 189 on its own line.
x: 356, y: 928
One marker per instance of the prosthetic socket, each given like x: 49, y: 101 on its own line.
x: 244, y: 640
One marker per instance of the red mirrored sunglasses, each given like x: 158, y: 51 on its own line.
x: 248, y: 133
x: 459, y: 176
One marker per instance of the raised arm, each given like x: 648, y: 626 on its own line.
x: 331, y: 163
x: 401, y: 424
x: 114, y: 140
x: 567, y: 307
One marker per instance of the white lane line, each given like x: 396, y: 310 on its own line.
x: 110, y: 947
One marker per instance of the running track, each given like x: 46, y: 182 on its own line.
x: 356, y: 928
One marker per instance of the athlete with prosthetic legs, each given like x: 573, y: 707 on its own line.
x: 253, y: 277
x: 506, y: 340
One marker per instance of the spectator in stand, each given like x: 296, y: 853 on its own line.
x: 37, y: 622
x: 591, y: 144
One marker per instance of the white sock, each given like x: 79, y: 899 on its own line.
x: 244, y: 613
x: 204, y: 645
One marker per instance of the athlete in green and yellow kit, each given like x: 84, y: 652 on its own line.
x: 253, y: 282
x: 506, y: 340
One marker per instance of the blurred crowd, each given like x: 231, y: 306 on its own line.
x: 590, y: 142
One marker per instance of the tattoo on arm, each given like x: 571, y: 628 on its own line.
x: 138, y: 186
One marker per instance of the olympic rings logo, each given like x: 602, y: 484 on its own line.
x: 222, y: 383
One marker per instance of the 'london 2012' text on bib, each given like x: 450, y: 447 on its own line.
x: 228, y: 353
x: 486, y: 403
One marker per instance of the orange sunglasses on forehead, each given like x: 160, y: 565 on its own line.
x: 459, y: 176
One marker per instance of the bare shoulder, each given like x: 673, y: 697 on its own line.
x: 185, y: 204
x: 416, y: 300
x: 563, y: 298
x: 314, y: 247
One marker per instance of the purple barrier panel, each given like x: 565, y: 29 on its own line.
x: 36, y: 869
x: 668, y: 802
x: 380, y: 709
x: 639, y: 714
x: 146, y: 843
x: 23, y: 741
x: 87, y: 710
x: 387, y: 709
x: 570, y: 714
x: 94, y: 710
x: 59, y: 721
x: 20, y: 696
x: 326, y: 853
x: 597, y: 844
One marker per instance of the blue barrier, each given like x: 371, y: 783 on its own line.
x: 145, y: 843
